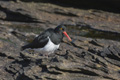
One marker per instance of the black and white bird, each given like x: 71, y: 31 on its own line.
x: 49, y: 40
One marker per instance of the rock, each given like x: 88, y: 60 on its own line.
x: 69, y: 66
x: 94, y: 53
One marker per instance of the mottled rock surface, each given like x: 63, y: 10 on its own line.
x: 93, y: 55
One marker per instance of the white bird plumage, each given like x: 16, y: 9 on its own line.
x: 50, y: 47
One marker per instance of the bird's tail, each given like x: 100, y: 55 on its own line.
x: 25, y: 47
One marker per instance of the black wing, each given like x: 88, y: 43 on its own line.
x: 39, y: 41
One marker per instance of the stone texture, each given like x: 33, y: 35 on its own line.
x: 91, y: 56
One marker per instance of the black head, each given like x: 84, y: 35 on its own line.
x: 60, y: 28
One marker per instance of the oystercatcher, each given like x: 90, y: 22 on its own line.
x: 49, y: 40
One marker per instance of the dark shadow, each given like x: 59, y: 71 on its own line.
x: 105, y: 5
x: 16, y: 16
x: 90, y: 32
x: 23, y: 77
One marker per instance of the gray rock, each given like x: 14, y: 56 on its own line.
x: 91, y: 56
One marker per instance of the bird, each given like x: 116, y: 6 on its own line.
x: 49, y: 40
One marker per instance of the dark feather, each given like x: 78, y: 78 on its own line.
x: 55, y: 35
x: 39, y: 41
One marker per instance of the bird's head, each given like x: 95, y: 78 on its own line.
x: 62, y: 29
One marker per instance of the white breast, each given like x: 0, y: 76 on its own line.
x: 49, y: 47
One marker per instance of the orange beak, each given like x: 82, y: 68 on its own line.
x: 67, y: 35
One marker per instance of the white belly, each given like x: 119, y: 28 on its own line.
x: 49, y: 47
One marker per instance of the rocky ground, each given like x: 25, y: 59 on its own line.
x: 94, y: 55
